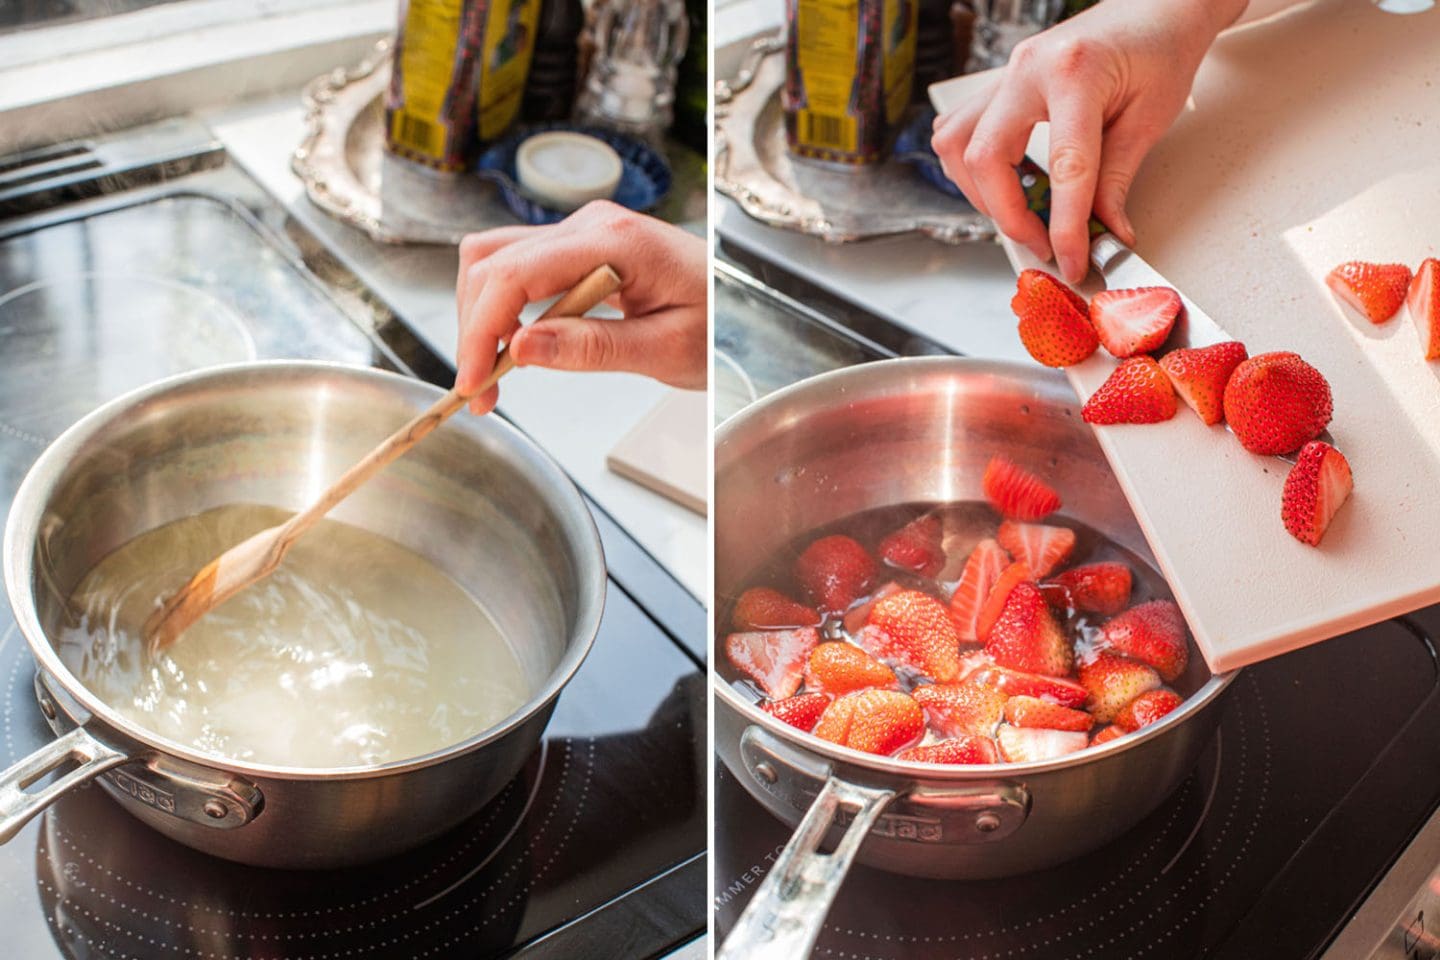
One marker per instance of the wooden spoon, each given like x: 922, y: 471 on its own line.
x: 256, y: 558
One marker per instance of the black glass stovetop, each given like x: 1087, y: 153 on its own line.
x: 1325, y: 767
x: 600, y: 841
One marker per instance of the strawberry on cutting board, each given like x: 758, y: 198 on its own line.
x: 1199, y: 376
x: 1153, y: 633
x: 1017, y: 493
x: 801, y: 711
x: 915, y: 546
x: 987, y: 562
x: 1135, y: 321
x: 1027, y: 637
x: 1102, y: 588
x: 774, y: 660
x: 918, y: 632
x: 1137, y: 391
x: 1034, y: 712
x: 835, y: 571
x: 1317, y: 486
x: 761, y: 608
x: 961, y: 709
x: 1423, y: 304
x: 838, y: 667
x: 1276, y: 402
x: 1113, y: 682
x: 1027, y: 745
x: 1039, y: 546
x: 1018, y: 683
x: 1054, y: 320
x: 958, y: 750
x: 875, y: 721
x: 1375, y: 290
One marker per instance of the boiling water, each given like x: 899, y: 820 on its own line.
x: 355, y: 651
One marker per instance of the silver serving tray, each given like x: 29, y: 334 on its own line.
x: 754, y: 167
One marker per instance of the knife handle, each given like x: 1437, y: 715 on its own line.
x: 1036, y: 184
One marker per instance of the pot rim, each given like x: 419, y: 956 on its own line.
x: 913, y: 770
x: 23, y: 525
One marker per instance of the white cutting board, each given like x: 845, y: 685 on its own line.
x: 1312, y: 138
x: 666, y: 451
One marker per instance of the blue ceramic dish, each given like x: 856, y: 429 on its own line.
x: 644, y: 177
x: 912, y: 146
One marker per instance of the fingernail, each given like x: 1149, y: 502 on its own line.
x: 538, y: 347
x: 1072, y: 269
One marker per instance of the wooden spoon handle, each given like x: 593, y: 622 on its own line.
x: 599, y: 284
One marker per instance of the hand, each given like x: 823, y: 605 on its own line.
x: 1110, y: 81
x: 663, y: 272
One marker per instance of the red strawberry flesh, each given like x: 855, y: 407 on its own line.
x: 1423, y: 304
x: 1039, y: 546
x: 774, y: 660
x: 1102, y: 588
x: 1317, y: 486
x: 837, y: 668
x: 1199, y: 376
x: 961, y: 709
x: 1054, y: 321
x: 1153, y: 633
x: 987, y: 562
x: 1375, y: 290
x: 969, y: 750
x: 875, y: 721
x: 1017, y: 493
x: 1027, y: 637
x: 1135, y: 321
x: 835, y: 571
x: 1137, y: 391
x: 801, y: 711
x: 919, y: 633
x: 761, y: 608
x: 1276, y: 402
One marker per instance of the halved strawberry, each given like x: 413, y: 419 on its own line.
x: 1017, y: 493
x: 958, y: 750
x: 918, y: 633
x: 1423, y: 302
x: 1134, y: 321
x: 1104, y: 736
x: 875, y: 721
x: 973, y: 662
x: 856, y: 616
x: 915, y: 546
x: 801, y: 711
x: 1374, y: 289
x: 1113, y: 682
x: 1137, y: 391
x: 1026, y: 744
x: 994, y: 603
x: 987, y: 561
x: 961, y: 709
x: 1094, y: 587
x: 1318, y: 484
x: 1276, y: 402
x: 761, y: 608
x: 838, y: 667
x: 1199, y: 376
x: 1146, y: 709
x: 1026, y: 637
x: 1040, y: 547
x: 773, y: 659
x: 834, y: 571
x: 1153, y: 633
x: 1054, y: 320
x: 1018, y: 683
x: 1033, y: 712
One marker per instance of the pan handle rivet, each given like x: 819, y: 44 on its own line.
x: 47, y: 707
x: 215, y: 810
x: 766, y: 772
x: 987, y: 823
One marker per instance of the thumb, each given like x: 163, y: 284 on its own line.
x: 581, y: 343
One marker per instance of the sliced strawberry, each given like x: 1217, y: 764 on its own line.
x: 1113, y: 682
x: 1276, y: 402
x: 1017, y: 493
x: 918, y: 633
x: 1018, y: 683
x: 1104, y: 736
x: 915, y: 546
x: 1026, y: 745
x: 1102, y: 588
x: 961, y: 709
x: 1134, y: 321
x: 834, y: 571
x: 1054, y: 320
x: 1040, y: 547
x: 875, y: 721
x: 1199, y: 376
x: 801, y: 711
x: 761, y: 608
x: 1137, y: 391
x: 1423, y: 302
x: 958, y: 750
x: 1026, y: 637
x: 856, y: 616
x: 994, y: 603
x: 1318, y: 484
x: 1376, y: 290
x: 1153, y: 633
x: 773, y: 659
x: 987, y: 561
x: 973, y: 662
x: 838, y: 667
x: 1033, y: 712
x: 1146, y: 709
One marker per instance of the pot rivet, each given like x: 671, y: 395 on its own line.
x: 216, y: 810
x: 987, y: 823
x: 47, y: 707
x: 766, y: 772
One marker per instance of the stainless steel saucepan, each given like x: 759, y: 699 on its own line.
x: 477, y: 499
x: 896, y: 432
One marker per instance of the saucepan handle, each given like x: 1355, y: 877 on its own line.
x: 788, y: 909
x: 17, y: 805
